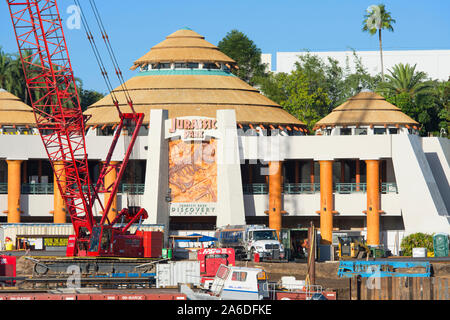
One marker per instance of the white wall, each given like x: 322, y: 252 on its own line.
x: 436, y: 63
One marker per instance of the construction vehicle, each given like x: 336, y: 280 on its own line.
x: 52, y: 91
x: 210, y: 260
x: 295, y: 242
x: 353, y: 247
x: 250, y: 241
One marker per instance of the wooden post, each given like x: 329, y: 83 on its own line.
x: 312, y: 254
x: 426, y: 288
x: 353, y: 288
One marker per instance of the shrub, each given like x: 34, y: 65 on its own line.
x: 417, y: 240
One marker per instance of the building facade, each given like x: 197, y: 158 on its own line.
x: 214, y: 151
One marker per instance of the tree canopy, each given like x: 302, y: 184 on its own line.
x: 244, y: 51
x: 12, y: 80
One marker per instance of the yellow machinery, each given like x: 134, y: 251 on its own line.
x: 353, y: 247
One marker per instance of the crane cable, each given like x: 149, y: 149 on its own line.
x: 98, y: 56
x: 111, y: 54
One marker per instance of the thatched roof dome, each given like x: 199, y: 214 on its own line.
x: 190, y: 92
x: 184, y: 46
x: 366, y: 108
x: 14, y: 112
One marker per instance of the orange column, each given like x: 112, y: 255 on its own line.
x: 14, y: 186
x: 109, y: 180
x: 358, y: 175
x: 326, y: 201
x: 275, y: 199
x: 59, y: 207
x: 373, y: 202
x: 311, y: 175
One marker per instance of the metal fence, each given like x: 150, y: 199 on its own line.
x: 47, y: 188
x: 310, y: 188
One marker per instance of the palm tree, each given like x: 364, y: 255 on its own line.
x: 377, y: 19
x: 405, y: 79
x: 6, y: 77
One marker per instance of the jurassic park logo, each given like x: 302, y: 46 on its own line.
x: 191, y: 128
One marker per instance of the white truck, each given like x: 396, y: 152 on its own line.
x: 249, y: 240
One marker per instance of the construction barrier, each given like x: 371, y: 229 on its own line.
x: 399, y: 288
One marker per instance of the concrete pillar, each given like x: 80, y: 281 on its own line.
x: 14, y: 189
x: 373, y: 202
x: 230, y: 199
x: 275, y: 195
x: 326, y: 201
x: 157, y: 172
x: 59, y: 207
x: 109, y: 180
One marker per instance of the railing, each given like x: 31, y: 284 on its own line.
x: 350, y: 187
x: 389, y: 187
x: 301, y: 188
x: 3, y: 188
x: 310, y: 188
x: 132, y: 188
x: 256, y: 188
x: 37, y: 188
x: 47, y: 188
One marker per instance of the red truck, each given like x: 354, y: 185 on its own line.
x: 210, y: 260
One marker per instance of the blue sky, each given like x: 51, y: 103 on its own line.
x: 135, y: 26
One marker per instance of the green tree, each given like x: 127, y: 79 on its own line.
x: 88, y: 97
x: 417, y: 240
x: 405, y: 79
x: 377, y: 19
x: 293, y: 92
x: 247, y: 55
x: 424, y: 100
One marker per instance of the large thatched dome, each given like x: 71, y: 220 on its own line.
x: 13, y: 112
x: 189, y: 76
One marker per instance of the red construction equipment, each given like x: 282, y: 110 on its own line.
x: 62, y: 126
x: 211, y: 259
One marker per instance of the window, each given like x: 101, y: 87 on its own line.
x: 379, y: 131
x: 346, y: 131
x: 161, y: 66
x: 210, y: 66
x: 222, y: 272
x: 186, y: 65
x: 360, y: 131
x: 106, y: 131
x: 264, y: 235
x: 239, y: 276
x: 393, y: 131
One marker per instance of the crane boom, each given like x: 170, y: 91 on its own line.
x: 59, y: 118
x: 55, y: 102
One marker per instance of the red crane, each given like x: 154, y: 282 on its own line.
x: 62, y: 126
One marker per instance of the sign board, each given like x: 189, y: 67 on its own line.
x: 192, y: 166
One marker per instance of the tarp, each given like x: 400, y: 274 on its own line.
x: 202, y: 239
